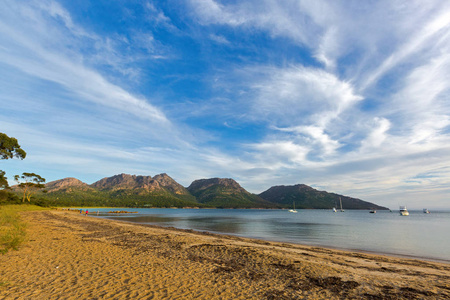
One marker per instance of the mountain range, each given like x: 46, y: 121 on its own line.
x: 163, y: 191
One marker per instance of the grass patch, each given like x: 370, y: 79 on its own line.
x: 12, y: 229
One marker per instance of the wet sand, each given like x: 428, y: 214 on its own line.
x: 71, y: 256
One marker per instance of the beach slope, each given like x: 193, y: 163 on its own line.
x: 72, y: 256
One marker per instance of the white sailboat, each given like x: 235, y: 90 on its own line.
x: 426, y: 211
x: 404, y: 211
x: 293, y: 210
x: 340, y: 201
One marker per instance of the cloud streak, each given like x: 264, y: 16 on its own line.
x: 32, y: 56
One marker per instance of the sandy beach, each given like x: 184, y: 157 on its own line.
x: 72, y: 256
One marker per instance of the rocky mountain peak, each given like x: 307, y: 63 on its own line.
x: 164, y: 179
x: 170, y: 184
x: 66, y: 183
x: 126, y: 181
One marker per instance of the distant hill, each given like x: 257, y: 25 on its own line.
x: 307, y: 197
x: 121, y: 190
x: 124, y: 190
x: 225, y: 193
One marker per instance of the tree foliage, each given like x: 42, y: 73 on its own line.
x: 30, y: 183
x: 3, y: 180
x: 10, y: 148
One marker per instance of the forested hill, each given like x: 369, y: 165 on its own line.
x: 226, y: 192
x: 307, y: 197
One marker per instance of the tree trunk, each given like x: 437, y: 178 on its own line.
x: 25, y: 192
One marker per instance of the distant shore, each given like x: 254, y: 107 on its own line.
x: 73, y: 256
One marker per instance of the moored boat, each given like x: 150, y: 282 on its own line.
x: 293, y: 210
x: 425, y: 211
x: 404, y: 211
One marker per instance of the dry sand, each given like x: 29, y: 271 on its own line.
x: 71, y: 256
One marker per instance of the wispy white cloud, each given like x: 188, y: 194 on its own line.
x: 58, y: 13
x: 421, y: 106
x: 376, y: 136
x: 419, y: 41
x: 328, y: 49
x: 300, y: 95
x: 219, y: 39
x: 315, y: 136
x: 281, y: 153
x: 157, y: 16
x: 286, y: 19
x: 35, y: 56
x: 384, y: 31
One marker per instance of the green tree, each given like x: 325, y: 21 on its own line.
x: 9, y: 148
x: 3, y: 180
x: 30, y: 183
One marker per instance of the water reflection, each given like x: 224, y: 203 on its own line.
x: 295, y: 231
x: 150, y: 219
x: 220, y: 225
x: 225, y: 225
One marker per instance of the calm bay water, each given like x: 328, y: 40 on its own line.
x: 417, y: 235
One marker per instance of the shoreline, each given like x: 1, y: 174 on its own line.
x: 71, y: 256
x: 255, y: 240
x: 432, y: 254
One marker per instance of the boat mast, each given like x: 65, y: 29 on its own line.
x: 340, y: 201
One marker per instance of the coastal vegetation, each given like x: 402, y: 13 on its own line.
x: 112, y: 199
x: 12, y: 228
x: 9, y: 148
x: 7, y: 197
x: 29, y: 183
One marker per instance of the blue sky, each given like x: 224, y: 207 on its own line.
x: 351, y: 97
